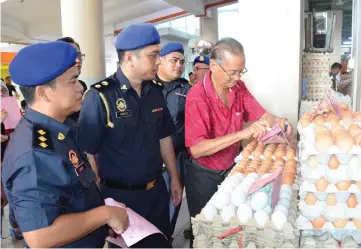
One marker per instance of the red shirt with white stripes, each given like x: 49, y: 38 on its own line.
x: 206, y: 117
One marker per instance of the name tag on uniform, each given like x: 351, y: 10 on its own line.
x: 124, y: 114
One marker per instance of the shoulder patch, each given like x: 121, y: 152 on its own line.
x: 157, y: 83
x: 104, y: 85
x: 42, y: 139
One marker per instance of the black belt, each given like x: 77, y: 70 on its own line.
x: 117, y: 185
x: 222, y: 173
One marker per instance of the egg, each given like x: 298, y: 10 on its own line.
x: 238, y: 196
x: 357, y: 116
x: 357, y: 139
x: 209, y: 211
x: 279, y: 154
x: 357, y: 223
x: 340, y: 133
x: 279, y: 219
x: 310, y: 198
x: 320, y: 128
x: 290, y: 169
x: 340, y: 223
x: 222, y: 200
x: 333, y: 121
x: 354, y: 129
x: 268, y: 209
x: 321, y: 185
x: 352, y: 201
x: 244, y: 213
x: 289, y: 181
x: 319, y: 119
x: 259, y: 200
x: 346, y: 114
x: 343, y: 185
x: 246, y: 153
x: 348, y: 120
x: 319, y: 222
x: 333, y: 163
x: 268, y: 153
x: 358, y: 184
x: 331, y: 200
x: 237, y: 170
x: 312, y: 162
x: 344, y: 106
x: 291, y: 162
x: 279, y: 162
x: 323, y: 142
x: 227, y: 213
x: 257, y: 153
x: 336, y: 128
x: 284, y: 202
x: 261, y: 218
x: 290, y: 154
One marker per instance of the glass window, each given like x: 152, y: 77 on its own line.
x: 226, y: 17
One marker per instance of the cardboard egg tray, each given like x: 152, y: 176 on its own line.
x: 331, y: 213
x: 308, y: 132
x: 304, y: 223
x: 326, y: 240
x: 350, y: 172
x: 331, y: 189
x: 206, y: 232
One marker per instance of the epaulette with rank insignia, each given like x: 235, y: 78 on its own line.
x: 42, y: 139
x: 101, y: 87
x: 155, y: 82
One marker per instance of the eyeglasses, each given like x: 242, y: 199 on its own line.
x: 81, y: 56
x: 234, y: 75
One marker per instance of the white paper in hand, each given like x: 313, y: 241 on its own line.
x: 138, y: 228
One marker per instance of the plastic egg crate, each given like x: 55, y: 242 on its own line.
x: 304, y: 223
x: 344, y: 172
x: 206, y: 231
x: 339, y: 211
x: 331, y: 189
x: 308, y: 133
x: 313, y: 239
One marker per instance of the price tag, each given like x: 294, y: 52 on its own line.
x: 334, y: 104
x: 275, y: 177
x: 274, y: 131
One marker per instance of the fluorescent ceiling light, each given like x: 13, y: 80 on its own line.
x: 347, y: 43
x: 4, y: 44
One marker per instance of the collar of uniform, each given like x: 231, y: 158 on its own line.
x: 123, y: 80
x: 49, y: 123
x: 169, y: 85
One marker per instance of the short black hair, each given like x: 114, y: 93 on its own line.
x: 83, y: 84
x: 229, y: 45
x: 336, y: 65
x: 121, y: 53
x: 29, y: 91
x: 23, y: 104
x: 190, y: 73
x: 69, y: 40
x: 8, y: 77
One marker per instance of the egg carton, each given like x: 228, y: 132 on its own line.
x: 325, y: 239
x: 331, y: 189
x: 206, y: 231
x: 303, y: 223
x: 308, y: 133
x: 349, y: 172
x: 331, y: 213
x: 251, y: 157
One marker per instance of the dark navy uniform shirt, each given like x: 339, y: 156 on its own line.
x: 45, y: 175
x: 175, y: 93
x: 130, y: 151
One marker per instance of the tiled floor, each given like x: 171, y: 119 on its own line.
x: 179, y: 241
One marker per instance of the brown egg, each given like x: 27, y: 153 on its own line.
x: 357, y: 116
x: 344, y: 106
x: 290, y: 154
x: 358, y: 184
x: 291, y: 162
x: 249, y: 170
x: 319, y: 119
x: 289, y: 175
x: 312, y: 162
x: 357, y: 139
x: 290, y: 169
x: 357, y: 223
x: 307, y: 115
x: 323, y: 142
x: 352, y: 201
x: 337, y: 128
x: 288, y: 181
x: 344, y: 144
x: 333, y: 163
x: 343, y: 185
x: 310, y: 198
x: 348, y: 120
x: 246, y: 153
x: 319, y: 222
x: 268, y: 153
x: 305, y: 122
x: 279, y: 162
x: 339, y: 223
x: 237, y: 170
x: 321, y: 185
x: 340, y: 133
x: 272, y: 146
x: 279, y: 154
x: 354, y: 129
x: 257, y: 153
x: 331, y: 200
x: 319, y: 128
x: 333, y: 120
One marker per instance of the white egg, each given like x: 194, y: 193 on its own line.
x: 240, y: 177
x: 279, y: 219
x: 282, y: 209
x: 284, y: 202
x: 211, y: 201
x: 238, y: 197
x: 222, y: 200
x: 227, y: 213
x: 252, y: 175
x: 209, y: 211
x: 244, y: 213
x: 268, y: 209
x: 234, y: 181
x: 286, y: 188
x: 265, y: 175
x: 261, y: 218
x: 285, y: 195
x: 259, y: 200
x: 226, y: 187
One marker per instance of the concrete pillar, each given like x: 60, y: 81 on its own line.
x: 83, y: 21
x: 356, y: 55
x: 209, y: 26
x: 271, y: 36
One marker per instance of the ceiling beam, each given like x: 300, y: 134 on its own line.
x: 195, y: 7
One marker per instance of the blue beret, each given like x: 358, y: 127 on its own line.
x: 40, y: 63
x: 137, y: 36
x: 201, y: 59
x: 172, y: 47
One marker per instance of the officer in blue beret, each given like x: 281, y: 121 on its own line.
x: 47, y: 178
x: 200, y: 68
x: 175, y: 90
x: 126, y: 128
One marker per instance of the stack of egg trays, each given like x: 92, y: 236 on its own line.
x: 206, y: 232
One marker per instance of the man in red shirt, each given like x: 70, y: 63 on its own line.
x: 216, y: 109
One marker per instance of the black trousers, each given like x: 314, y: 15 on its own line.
x: 152, y: 241
x: 201, y: 183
